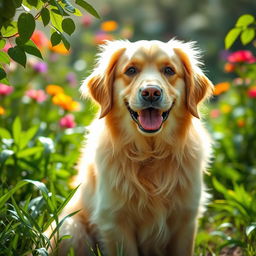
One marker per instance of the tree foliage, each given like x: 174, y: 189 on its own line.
x: 245, y: 27
x: 18, y: 29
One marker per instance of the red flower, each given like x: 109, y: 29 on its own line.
x: 252, y: 92
x: 241, y: 56
x: 67, y: 121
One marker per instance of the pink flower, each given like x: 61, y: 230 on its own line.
x: 71, y: 78
x: 241, y: 56
x: 40, y: 67
x: 37, y: 95
x: 215, y: 113
x: 86, y: 20
x: 101, y: 37
x: 67, y: 121
x: 252, y: 92
x: 7, y: 46
x: 5, y: 89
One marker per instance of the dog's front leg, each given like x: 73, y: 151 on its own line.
x: 119, y: 240
x: 182, y: 241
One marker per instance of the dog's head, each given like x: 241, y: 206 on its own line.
x: 148, y: 82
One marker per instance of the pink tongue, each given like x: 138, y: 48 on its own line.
x: 150, y: 119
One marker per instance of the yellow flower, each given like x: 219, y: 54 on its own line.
x: 53, y: 89
x: 2, y: 111
x: 60, y: 48
x: 225, y: 108
x: 109, y: 25
x: 66, y: 102
x: 220, y: 88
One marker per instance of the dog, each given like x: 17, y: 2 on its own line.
x: 141, y: 170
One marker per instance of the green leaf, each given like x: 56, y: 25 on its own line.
x: 65, y: 42
x: 68, y: 26
x: 39, y: 185
x: 29, y: 151
x: 27, y: 136
x: 250, y: 229
x: 48, y: 144
x: 10, y: 30
x: 61, y: 207
x: 26, y: 26
x: 244, y: 20
x: 247, y: 35
x: 4, y: 58
x: 231, y: 37
x: 77, y: 12
x: 2, y: 43
x: 60, y: 9
x: 2, y: 74
x: 31, y: 48
x: 8, y: 9
x: 219, y: 187
x: 18, y: 55
x: 55, y: 38
x: 4, y: 80
x: 45, y: 14
x: 42, y: 252
x: 33, y: 2
x: 68, y: 6
x: 88, y: 8
x: 18, y: 3
x: 5, y: 154
x: 4, y: 133
x: 16, y: 130
x: 56, y: 20
x: 5, y: 197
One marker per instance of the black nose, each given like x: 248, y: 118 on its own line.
x: 151, y: 93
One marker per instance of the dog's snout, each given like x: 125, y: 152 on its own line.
x: 151, y: 93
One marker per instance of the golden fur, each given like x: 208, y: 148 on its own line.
x: 141, y: 192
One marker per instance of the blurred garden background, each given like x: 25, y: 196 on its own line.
x: 43, y: 118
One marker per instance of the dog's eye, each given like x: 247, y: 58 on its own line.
x: 131, y: 71
x: 169, y: 71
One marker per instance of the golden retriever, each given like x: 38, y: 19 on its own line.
x: 141, y: 169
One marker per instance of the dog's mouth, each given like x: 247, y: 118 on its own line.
x: 149, y: 120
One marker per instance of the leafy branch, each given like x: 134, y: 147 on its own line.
x: 53, y: 13
x: 245, y: 27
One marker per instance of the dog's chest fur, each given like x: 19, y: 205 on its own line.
x: 150, y: 192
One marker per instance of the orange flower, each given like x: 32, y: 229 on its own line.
x: 229, y: 67
x: 65, y: 101
x: 2, y: 111
x: 109, y: 25
x: 220, y: 88
x: 53, y: 89
x: 240, y: 123
x: 60, y: 48
x: 39, y: 39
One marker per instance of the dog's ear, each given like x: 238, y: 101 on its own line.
x: 99, y: 85
x: 198, y: 86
